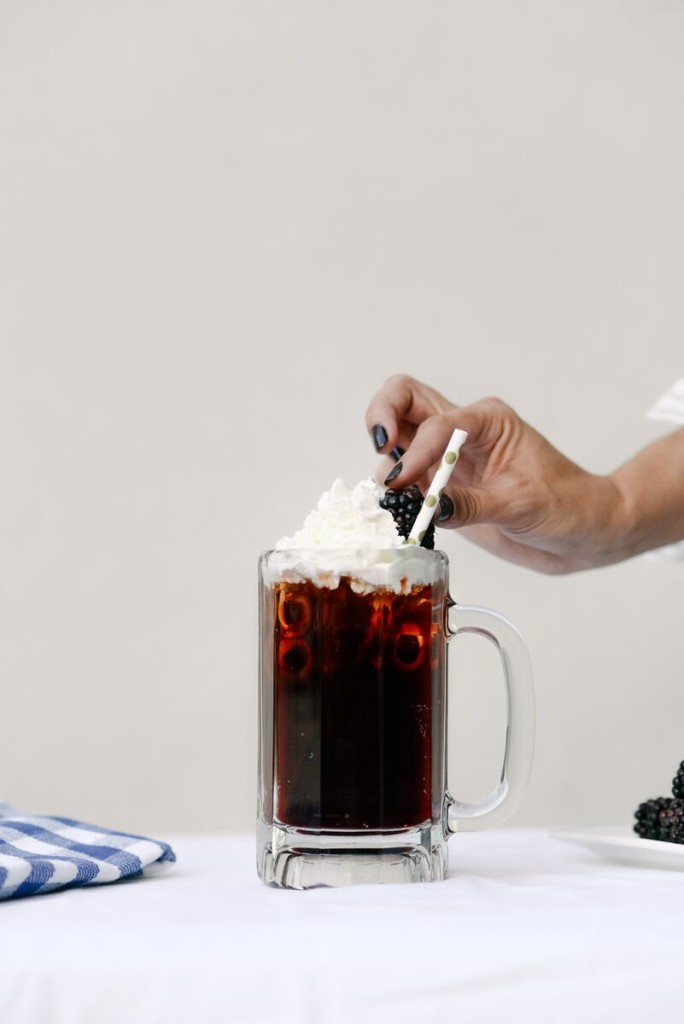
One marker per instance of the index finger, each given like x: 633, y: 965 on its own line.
x: 400, y: 405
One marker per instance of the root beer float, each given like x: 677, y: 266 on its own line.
x: 354, y: 621
x: 355, y: 636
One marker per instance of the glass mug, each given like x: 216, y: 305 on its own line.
x: 352, y: 705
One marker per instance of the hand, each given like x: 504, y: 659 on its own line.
x: 511, y: 492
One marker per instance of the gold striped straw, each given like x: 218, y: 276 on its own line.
x: 436, y: 489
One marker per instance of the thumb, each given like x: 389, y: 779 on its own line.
x: 465, y: 506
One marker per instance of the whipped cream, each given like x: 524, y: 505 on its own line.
x: 349, y: 534
x: 347, y: 519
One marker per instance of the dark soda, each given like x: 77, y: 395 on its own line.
x: 352, y: 676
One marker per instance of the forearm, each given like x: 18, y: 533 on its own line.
x: 651, y: 488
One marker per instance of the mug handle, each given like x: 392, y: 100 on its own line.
x: 519, y: 747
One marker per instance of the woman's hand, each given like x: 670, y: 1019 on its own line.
x: 511, y: 492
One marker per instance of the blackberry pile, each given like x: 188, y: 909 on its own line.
x: 404, y: 504
x: 662, y: 817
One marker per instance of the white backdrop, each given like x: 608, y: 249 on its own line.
x: 223, y: 225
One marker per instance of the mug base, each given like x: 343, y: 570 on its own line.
x: 290, y: 858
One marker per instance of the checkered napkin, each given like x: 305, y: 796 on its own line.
x: 39, y: 854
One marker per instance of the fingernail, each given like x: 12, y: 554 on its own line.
x: 379, y: 436
x: 393, y: 473
x: 446, y: 508
x: 397, y: 453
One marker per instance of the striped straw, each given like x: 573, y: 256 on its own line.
x: 436, y: 489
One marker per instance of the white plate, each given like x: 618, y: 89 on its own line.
x: 620, y: 843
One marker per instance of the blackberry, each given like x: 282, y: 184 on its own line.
x: 672, y: 822
x: 404, y: 504
x: 678, y: 783
x: 647, y: 817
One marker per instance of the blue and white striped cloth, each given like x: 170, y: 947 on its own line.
x: 39, y: 854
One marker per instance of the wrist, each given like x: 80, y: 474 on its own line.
x: 626, y: 526
x: 606, y: 533
x: 652, y: 489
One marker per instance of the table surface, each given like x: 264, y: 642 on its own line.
x: 525, y: 928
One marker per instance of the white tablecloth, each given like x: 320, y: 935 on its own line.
x: 525, y: 929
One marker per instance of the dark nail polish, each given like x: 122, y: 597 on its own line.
x: 446, y: 508
x: 397, y: 453
x: 379, y: 436
x: 393, y: 473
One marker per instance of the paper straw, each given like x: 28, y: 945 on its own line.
x: 436, y: 489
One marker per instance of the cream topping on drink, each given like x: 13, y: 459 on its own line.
x: 347, y: 519
x: 349, y: 534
